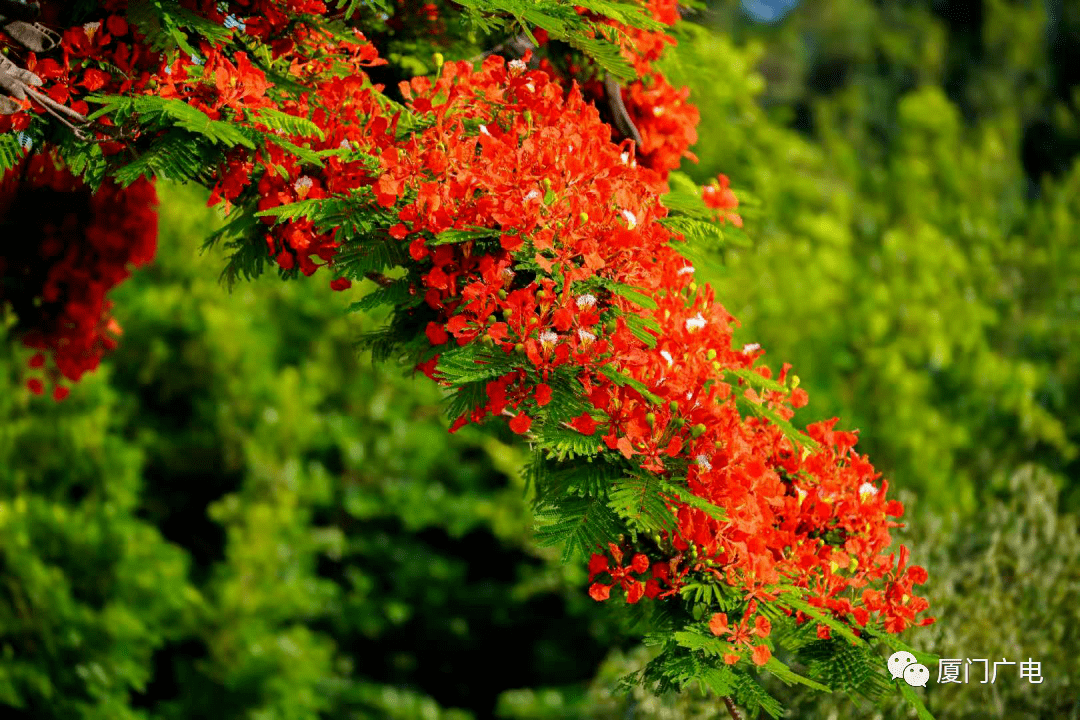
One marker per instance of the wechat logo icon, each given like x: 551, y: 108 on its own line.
x: 902, y: 665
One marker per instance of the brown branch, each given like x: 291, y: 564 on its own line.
x: 379, y: 278
x: 732, y: 710
x: 514, y: 48
x: 619, y: 113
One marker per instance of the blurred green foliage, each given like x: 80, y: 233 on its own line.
x: 238, y: 517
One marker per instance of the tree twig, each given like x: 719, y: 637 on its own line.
x: 619, y: 113
x: 732, y: 710
x: 515, y: 48
x: 379, y: 278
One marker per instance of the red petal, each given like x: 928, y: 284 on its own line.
x: 761, y: 654
x: 543, y: 394
x: 521, y: 423
x: 584, y: 423
x: 718, y: 624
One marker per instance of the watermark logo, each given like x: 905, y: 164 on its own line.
x: 903, y: 665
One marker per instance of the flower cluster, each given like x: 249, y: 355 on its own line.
x: 69, y: 247
x: 661, y: 113
x: 571, y: 215
x: 529, y: 232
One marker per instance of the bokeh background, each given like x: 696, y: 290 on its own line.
x: 239, y: 517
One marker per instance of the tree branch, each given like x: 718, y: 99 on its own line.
x: 619, y: 113
x: 379, y: 278
x: 732, y: 710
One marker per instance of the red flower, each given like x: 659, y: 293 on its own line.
x: 436, y: 334
x: 521, y: 423
x: 584, y: 423
x: 761, y: 654
x: 599, y: 592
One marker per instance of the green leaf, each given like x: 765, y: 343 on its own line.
x: 622, y: 379
x: 797, y: 437
x: 448, y: 237
x: 894, y: 644
x: 640, y: 328
x: 11, y: 151
x: 915, y: 701
x: 755, y: 380
x: 395, y: 295
x: 580, y: 525
x: 686, y: 497
x: 789, y: 676
x: 638, y: 499
x: 289, y: 124
x: 816, y: 613
x: 468, y: 364
x: 631, y: 293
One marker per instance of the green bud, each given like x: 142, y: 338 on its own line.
x: 584, y: 217
x: 719, y: 444
x: 486, y: 340
x: 541, y: 295
x: 502, y: 295
x: 693, y: 287
x: 546, y: 182
x: 610, y: 326
x: 507, y: 313
x: 519, y: 347
x: 651, y: 419
x: 439, y: 60
x: 673, y: 406
x: 534, y: 320
x: 697, y: 430
x: 711, y: 355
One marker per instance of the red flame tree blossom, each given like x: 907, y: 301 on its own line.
x: 543, y: 278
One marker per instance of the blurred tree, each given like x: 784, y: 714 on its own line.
x: 241, y: 518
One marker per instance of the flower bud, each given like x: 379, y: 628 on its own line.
x: 711, y: 355
x: 673, y: 406
x: 698, y: 430
x: 651, y: 419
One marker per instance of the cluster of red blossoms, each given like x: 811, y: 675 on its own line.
x: 66, y: 248
x: 661, y: 112
x: 557, y: 219
x: 542, y: 172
